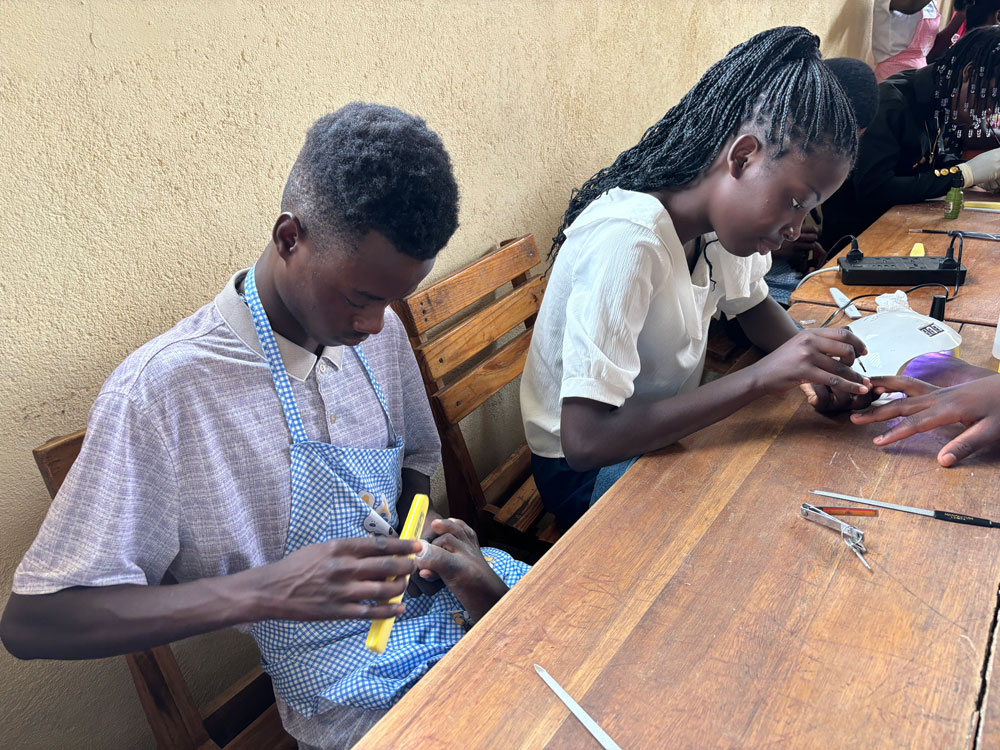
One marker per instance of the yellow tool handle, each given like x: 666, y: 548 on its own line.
x: 378, y: 633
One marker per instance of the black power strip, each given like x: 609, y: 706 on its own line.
x: 895, y: 271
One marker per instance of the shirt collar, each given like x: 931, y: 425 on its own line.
x: 299, y: 362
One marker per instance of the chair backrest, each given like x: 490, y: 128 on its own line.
x: 451, y: 324
x: 242, y: 717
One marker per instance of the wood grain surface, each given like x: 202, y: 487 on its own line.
x: 693, y: 607
x: 978, y: 299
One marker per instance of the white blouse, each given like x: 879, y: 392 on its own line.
x: 623, y: 316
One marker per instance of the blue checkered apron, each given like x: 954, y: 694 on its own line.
x: 317, y: 665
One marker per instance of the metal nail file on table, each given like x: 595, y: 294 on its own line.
x: 589, y: 724
x: 941, y: 515
x: 970, y: 235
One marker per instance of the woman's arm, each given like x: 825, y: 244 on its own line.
x: 595, y: 434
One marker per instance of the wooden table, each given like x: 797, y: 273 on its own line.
x: 693, y: 607
x: 978, y: 299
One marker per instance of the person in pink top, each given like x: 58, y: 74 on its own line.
x: 903, y: 32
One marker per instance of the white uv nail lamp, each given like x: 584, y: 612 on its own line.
x: 894, y: 338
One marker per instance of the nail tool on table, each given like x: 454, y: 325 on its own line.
x: 941, y: 515
x: 835, y: 511
x: 853, y: 536
x: 844, y: 303
x: 589, y: 724
x: 969, y: 235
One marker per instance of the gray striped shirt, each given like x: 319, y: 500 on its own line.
x: 185, y: 466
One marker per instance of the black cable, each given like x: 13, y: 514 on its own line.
x: 878, y: 294
x: 833, y: 249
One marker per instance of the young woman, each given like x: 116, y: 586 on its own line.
x: 678, y: 228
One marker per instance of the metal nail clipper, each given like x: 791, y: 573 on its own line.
x: 853, y: 536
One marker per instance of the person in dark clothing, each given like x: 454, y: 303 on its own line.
x: 913, y: 136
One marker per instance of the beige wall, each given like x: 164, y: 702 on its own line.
x: 144, y: 150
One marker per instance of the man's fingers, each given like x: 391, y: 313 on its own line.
x: 375, y: 590
x: 436, y: 558
x: 377, y: 546
x: 375, y: 568
x: 368, y: 611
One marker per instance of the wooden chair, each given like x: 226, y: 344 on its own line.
x: 244, y: 717
x: 451, y: 325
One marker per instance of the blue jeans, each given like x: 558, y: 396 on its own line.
x: 567, y: 493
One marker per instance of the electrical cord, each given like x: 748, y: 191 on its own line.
x: 949, y: 256
x: 809, y: 275
x: 849, y: 302
x: 833, y: 247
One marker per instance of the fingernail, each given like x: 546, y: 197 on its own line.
x: 423, y: 549
x: 948, y: 459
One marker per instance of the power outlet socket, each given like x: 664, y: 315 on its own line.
x: 895, y: 271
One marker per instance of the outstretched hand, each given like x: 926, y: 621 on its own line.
x: 975, y: 404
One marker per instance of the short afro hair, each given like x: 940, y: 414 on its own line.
x: 860, y: 86
x: 370, y: 167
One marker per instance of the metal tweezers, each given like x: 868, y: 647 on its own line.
x: 853, y: 536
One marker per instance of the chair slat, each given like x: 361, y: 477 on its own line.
x: 265, y: 731
x: 511, y: 473
x: 171, y: 711
x: 462, y: 397
x: 475, y: 333
x: 55, y: 458
x: 432, y: 306
x: 548, y: 532
x: 226, y: 716
x: 523, y: 509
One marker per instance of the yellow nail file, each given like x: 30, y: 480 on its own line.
x: 918, y: 250
x: 378, y: 633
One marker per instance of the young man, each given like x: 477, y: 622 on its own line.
x: 248, y: 452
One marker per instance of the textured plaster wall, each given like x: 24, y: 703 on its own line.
x: 143, y: 148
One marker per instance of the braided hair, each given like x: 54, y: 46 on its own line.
x: 979, y: 50
x: 775, y: 80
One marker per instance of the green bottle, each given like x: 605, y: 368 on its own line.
x: 953, y: 202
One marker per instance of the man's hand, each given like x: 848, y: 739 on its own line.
x: 426, y: 585
x: 455, y: 556
x: 975, y: 404
x: 338, y: 579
